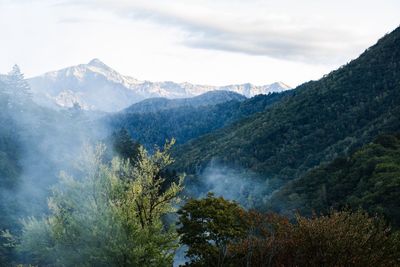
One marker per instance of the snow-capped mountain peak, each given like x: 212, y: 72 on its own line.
x: 97, y: 86
x: 98, y: 63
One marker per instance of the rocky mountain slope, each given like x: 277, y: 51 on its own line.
x: 96, y: 86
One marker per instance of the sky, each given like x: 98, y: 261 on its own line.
x: 215, y: 42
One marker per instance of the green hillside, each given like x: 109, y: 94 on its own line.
x: 189, y: 121
x: 369, y: 178
x: 321, y: 121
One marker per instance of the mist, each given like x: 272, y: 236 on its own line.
x: 243, y: 186
x: 57, y: 145
x: 40, y: 142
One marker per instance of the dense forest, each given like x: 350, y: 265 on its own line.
x: 311, y: 176
x: 369, y: 178
x: 188, y: 121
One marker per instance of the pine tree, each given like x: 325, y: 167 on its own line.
x: 125, y: 146
x: 18, y: 87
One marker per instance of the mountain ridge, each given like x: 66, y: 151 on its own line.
x: 161, y: 103
x: 97, y: 86
x: 184, y: 121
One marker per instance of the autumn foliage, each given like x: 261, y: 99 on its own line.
x: 341, y: 238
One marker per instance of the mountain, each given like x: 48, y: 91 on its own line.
x: 97, y: 86
x: 153, y: 121
x: 250, y: 90
x: 322, y: 120
x: 162, y: 103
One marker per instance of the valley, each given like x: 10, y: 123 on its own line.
x: 102, y: 169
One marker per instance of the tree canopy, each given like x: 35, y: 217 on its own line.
x: 111, y: 215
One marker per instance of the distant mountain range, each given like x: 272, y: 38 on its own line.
x: 96, y: 86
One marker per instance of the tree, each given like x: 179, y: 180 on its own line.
x: 207, y: 226
x: 124, y: 146
x: 18, y: 86
x: 110, y: 216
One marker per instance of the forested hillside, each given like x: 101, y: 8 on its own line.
x: 368, y: 179
x: 187, y: 121
x: 321, y: 121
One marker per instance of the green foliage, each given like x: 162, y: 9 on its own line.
x: 207, y: 226
x: 110, y: 216
x: 322, y: 120
x: 188, y: 122
x: 124, y: 146
x: 369, y: 178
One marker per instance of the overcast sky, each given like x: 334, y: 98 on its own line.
x: 204, y: 41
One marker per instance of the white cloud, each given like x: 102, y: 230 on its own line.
x: 203, y: 41
x: 266, y: 34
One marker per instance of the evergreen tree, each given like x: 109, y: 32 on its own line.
x: 18, y: 86
x: 124, y: 146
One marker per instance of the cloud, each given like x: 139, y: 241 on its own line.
x: 228, y: 29
x: 74, y: 20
